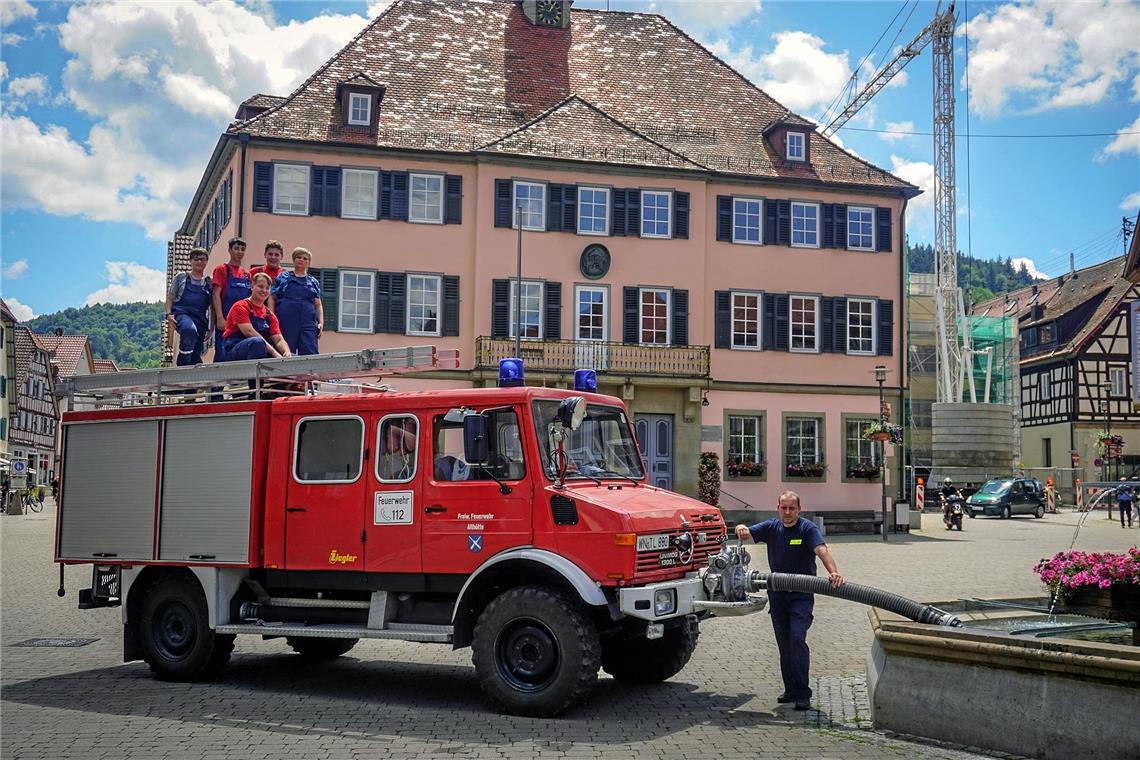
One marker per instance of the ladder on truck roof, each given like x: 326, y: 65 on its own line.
x: 254, y: 379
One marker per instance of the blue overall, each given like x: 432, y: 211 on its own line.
x: 239, y: 347
x: 791, y: 550
x: 191, y: 315
x: 296, y: 311
x: 236, y: 288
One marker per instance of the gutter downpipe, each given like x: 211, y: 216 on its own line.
x: 243, y: 138
x: 904, y: 379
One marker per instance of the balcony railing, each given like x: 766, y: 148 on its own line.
x: 606, y: 358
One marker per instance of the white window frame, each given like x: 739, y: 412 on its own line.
x: 814, y: 438
x: 411, y: 194
x: 438, y: 304
x: 668, y: 316
x: 605, y: 292
x: 1045, y: 385
x: 278, y: 183
x: 353, y: 99
x: 668, y: 214
x: 606, y: 215
x: 873, y: 304
x: 853, y: 428
x: 1118, y: 378
x: 871, y: 213
x: 341, y: 301
x: 541, y: 226
x: 792, y: 221
x: 792, y: 324
x: 759, y: 220
x: 370, y: 176
x: 756, y: 436
x: 541, y: 307
x: 801, y: 154
x: 759, y: 320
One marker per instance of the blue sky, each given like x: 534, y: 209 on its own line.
x: 110, y: 111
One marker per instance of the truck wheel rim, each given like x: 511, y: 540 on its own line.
x: 527, y: 654
x: 174, y: 632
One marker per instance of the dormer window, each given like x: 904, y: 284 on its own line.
x: 796, y: 146
x: 359, y: 109
x: 359, y: 98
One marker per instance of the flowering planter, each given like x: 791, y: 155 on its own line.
x: 883, y: 436
x: 1120, y: 601
x: 864, y: 474
x: 805, y: 472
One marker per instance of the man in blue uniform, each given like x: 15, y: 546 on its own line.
x: 793, y: 544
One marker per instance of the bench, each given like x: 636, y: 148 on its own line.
x: 851, y: 521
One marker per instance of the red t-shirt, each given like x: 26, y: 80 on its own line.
x: 240, y: 314
x: 219, y: 278
x: 265, y: 268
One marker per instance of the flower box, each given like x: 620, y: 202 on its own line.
x: 1099, y: 584
x: 883, y: 431
x: 865, y: 471
x: 805, y: 470
x: 745, y: 469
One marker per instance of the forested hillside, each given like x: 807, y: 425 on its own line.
x: 128, y: 333
x: 981, y: 278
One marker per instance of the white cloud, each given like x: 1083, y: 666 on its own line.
x: 698, y: 19
x: 12, y: 40
x: 898, y: 130
x: 1030, y: 267
x: 1127, y: 140
x: 24, y: 90
x: 196, y: 96
x: 3, y: 71
x: 22, y: 312
x: 16, y: 269
x: 376, y: 8
x: 13, y: 10
x: 1130, y: 202
x: 1050, y: 54
x: 128, y: 282
x: 920, y: 211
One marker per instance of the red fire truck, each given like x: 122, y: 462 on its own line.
x: 260, y: 498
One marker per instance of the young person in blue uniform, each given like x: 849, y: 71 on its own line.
x: 230, y: 284
x: 296, y: 300
x: 188, y: 308
x: 793, y: 544
x: 252, y: 331
x: 272, y: 266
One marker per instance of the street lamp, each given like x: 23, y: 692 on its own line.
x: 1106, y: 386
x: 518, y: 283
x: 881, y: 377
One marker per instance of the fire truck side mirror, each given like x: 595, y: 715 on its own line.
x: 475, y: 439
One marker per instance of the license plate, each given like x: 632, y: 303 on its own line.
x: 653, y: 543
x: 669, y: 559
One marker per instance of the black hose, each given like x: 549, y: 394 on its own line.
x: 853, y: 592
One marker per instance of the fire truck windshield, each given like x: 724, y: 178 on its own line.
x: 602, y: 446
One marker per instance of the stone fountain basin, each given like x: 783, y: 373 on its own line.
x: 1049, y: 697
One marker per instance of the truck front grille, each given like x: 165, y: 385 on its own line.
x: 649, y: 566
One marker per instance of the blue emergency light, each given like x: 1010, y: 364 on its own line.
x: 510, y: 373
x: 585, y: 380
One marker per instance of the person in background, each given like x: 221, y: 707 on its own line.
x: 1124, y: 500
x: 252, y: 331
x: 231, y: 284
x: 272, y: 266
x: 296, y: 300
x: 793, y: 544
x: 397, y: 458
x: 188, y: 308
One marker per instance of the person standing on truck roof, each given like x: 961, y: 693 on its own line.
x: 272, y: 266
x: 188, y: 308
x: 252, y: 331
x: 231, y: 283
x: 296, y: 300
x: 793, y: 544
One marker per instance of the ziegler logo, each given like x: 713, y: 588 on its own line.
x: 336, y: 558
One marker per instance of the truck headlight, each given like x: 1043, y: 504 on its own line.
x: 664, y: 601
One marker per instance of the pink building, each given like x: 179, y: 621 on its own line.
x: 730, y: 273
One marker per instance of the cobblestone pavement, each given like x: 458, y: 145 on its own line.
x: 402, y: 700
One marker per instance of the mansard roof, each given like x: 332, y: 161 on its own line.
x: 464, y: 76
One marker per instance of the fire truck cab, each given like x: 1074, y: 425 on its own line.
x: 514, y: 520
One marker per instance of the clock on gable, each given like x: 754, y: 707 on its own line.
x: 548, y: 13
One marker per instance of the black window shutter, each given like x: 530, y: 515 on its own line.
x: 617, y: 212
x: 380, y: 320
x: 784, y: 222
x: 769, y: 341
x: 450, y: 305
x: 385, y: 195
x: 722, y: 316
x: 886, y: 331
x: 400, y: 195
x: 681, y: 215
x: 826, y: 324
x: 827, y: 211
x: 553, y: 207
x: 630, y: 327
x: 680, y: 317
x: 330, y: 294
x: 262, y: 186
x: 454, y: 212
x: 332, y: 191
x: 839, y: 340
x: 569, y: 208
x: 840, y: 225
x: 782, y: 321
x: 724, y: 218
x: 501, y: 302
x: 552, y: 319
x: 633, y: 211
x: 316, y: 190
x: 771, y: 224
x: 883, y: 233
x: 502, y: 203
x: 397, y: 304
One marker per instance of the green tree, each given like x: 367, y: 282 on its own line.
x: 129, y: 333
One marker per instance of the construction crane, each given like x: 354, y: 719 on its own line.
x: 947, y: 298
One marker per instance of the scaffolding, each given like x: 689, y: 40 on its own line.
x: 988, y: 373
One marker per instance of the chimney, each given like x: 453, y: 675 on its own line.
x: 58, y: 332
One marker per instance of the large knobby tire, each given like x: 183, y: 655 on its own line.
x: 314, y: 648
x: 175, y: 635
x: 649, y: 660
x: 536, y: 652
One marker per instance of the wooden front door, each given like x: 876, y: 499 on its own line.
x: 655, y: 439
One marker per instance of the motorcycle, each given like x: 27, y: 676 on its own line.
x: 952, y: 511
